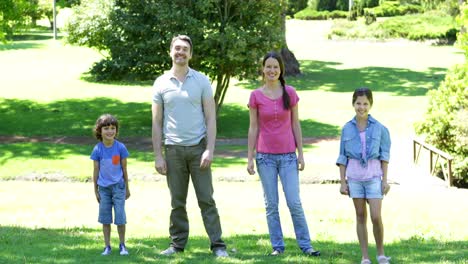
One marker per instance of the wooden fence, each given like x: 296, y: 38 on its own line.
x: 442, y: 158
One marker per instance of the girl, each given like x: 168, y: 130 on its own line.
x: 275, y: 133
x: 363, y: 163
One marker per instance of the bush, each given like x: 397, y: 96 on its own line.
x: 310, y: 14
x: 394, y: 8
x: 431, y: 26
x: 445, y: 124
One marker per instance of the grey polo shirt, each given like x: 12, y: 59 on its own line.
x: 183, y: 118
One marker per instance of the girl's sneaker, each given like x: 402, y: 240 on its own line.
x: 123, y: 249
x: 107, y: 251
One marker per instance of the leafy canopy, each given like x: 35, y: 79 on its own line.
x: 229, y: 36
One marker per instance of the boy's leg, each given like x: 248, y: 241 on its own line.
x: 106, y: 230
x: 105, y: 212
x: 121, y: 230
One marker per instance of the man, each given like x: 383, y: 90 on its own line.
x: 184, y: 112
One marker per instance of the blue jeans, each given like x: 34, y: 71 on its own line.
x: 269, y: 166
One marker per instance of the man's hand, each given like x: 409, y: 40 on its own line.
x: 206, y: 159
x: 160, y: 165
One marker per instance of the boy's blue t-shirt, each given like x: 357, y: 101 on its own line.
x: 110, y: 168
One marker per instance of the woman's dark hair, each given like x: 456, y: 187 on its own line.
x: 103, y: 121
x: 363, y: 91
x: 276, y: 56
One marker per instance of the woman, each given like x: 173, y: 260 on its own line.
x: 363, y: 163
x: 275, y: 134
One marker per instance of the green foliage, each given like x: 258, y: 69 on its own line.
x: 90, y: 24
x: 12, y: 17
x: 427, y: 26
x: 295, y: 6
x: 329, y: 5
x: 462, y: 36
x: 393, y: 8
x: 310, y: 14
x: 229, y: 36
x: 445, y: 123
x: 449, y: 7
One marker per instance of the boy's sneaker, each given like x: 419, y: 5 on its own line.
x: 123, y: 249
x: 107, y: 251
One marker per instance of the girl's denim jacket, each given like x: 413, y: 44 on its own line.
x: 377, y: 142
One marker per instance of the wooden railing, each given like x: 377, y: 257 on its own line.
x: 446, y: 164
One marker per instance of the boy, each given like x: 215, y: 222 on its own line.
x: 110, y: 179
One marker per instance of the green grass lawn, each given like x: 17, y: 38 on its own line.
x: 56, y: 223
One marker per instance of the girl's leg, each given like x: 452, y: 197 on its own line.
x: 376, y: 217
x: 106, y: 230
x: 121, y: 230
x: 361, y: 225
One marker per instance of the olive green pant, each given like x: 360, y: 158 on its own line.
x: 183, y: 163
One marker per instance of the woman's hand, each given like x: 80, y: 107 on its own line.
x: 251, y: 167
x: 300, y: 162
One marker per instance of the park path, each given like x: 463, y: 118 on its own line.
x: 320, y: 169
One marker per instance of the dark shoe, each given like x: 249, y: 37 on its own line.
x: 170, y: 251
x: 312, y: 252
x: 276, y: 253
x: 220, y: 253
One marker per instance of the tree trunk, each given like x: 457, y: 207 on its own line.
x: 291, y: 65
x: 222, y: 84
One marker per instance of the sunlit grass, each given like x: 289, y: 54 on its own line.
x: 61, y: 218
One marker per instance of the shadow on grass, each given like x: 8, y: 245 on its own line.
x: 84, y: 245
x: 20, y: 45
x: 327, y: 76
x: 75, y: 117
x: 71, y: 117
x: 30, y: 39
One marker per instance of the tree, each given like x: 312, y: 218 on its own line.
x: 12, y: 17
x: 291, y: 64
x: 229, y: 36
